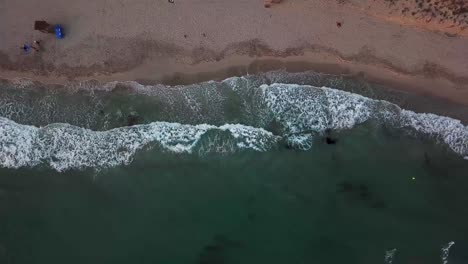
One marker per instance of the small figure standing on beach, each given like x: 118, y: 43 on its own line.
x: 27, y: 48
x: 37, y: 44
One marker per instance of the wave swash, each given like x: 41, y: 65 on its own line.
x: 302, y: 111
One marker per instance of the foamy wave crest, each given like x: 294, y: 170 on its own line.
x: 250, y: 138
x: 300, y: 141
x: 445, y: 252
x: 389, y: 255
x: 295, y: 112
x: 63, y: 147
x: 445, y: 129
x: 302, y: 108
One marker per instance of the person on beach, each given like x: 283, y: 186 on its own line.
x: 27, y: 48
x: 37, y: 44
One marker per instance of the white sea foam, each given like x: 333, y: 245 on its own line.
x: 445, y: 252
x: 346, y: 109
x: 22, y: 83
x: 300, y: 141
x: 389, y: 254
x: 251, y: 138
x: 299, y: 108
x: 64, y: 147
x: 448, y: 130
x: 303, y: 108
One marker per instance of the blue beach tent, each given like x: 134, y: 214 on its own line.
x: 58, y: 31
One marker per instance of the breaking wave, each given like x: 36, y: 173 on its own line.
x: 302, y: 108
x: 64, y: 147
x: 265, y: 115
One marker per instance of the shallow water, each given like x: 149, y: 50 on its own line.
x: 256, y: 183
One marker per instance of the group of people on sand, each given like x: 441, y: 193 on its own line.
x: 36, y: 46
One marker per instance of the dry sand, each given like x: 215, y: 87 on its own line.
x: 196, y: 40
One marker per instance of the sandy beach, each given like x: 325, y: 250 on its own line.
x: 388, y: 42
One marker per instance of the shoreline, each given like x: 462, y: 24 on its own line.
x: 336, y: 105
x: 154, y: 41
x: 426, y: 81
x: 410, y: 92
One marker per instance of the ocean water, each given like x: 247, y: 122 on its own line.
x: 268, y: 168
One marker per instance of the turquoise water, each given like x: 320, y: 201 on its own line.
x: 245, y: 173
